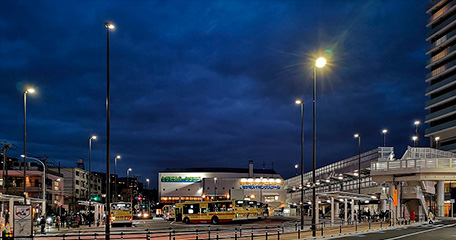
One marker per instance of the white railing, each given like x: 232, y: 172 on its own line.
x: 414, y: 164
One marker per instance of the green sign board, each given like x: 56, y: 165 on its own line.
x: 180, y: 179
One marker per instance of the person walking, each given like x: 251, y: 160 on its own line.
x: 42, y: 224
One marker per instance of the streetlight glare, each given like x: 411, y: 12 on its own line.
x: 414, y: 138
x: 320, y: 62
x: 94, y: 137
x: 109, y: 25
x: 130, y: 169
x: 356, y: 135
x: 30, y: 90
x: 417, y: 122
x: 298, y: 101
x: 147, y: 180
x: 118, y: 157
x: 296, y: 166
x: 385, y: 131
x: 437, y: 138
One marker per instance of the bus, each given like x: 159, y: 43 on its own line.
x: 168, y: 212
x: 216, y: 211
x: 121, y: 213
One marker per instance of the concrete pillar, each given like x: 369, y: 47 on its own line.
x: 332, y: 211
x: 392, y: 209
x: 336, y: 210
x: 399, y: 203
x: 11, y: 211
x: 383, y: 205
x: 440, y: 198
x: 352, y: 210
x: 317, y: 212
x: 345, y: 210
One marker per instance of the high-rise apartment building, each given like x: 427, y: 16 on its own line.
x: 442, y: 76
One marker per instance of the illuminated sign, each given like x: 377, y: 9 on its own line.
x: 180, y: 179
x: 261, y: 183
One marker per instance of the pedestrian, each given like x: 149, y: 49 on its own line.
x: 57, y: 222
x: 42, y: 224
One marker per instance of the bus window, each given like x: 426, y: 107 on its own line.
x: 203, y: 210
x: 191, y: 208
x: 239, y: 203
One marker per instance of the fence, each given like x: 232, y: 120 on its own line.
x: 284, y: 232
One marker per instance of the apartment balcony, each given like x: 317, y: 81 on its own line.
x: 437, y: 45
x: 440, y: 114
x: 440, y: 100
x: 443, y: 26
x: 441, y: 13
x: 440, y: 128
x: 435, y: 4
x: 451, y: 51
x: 441, y: 85
x: 446, y: 68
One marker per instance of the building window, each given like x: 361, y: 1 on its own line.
x: 77, y: 182
x: 77, y: 173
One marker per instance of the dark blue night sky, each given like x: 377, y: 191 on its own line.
x: 211, y: 83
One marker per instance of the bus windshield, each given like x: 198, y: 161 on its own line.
x: 121, y: 206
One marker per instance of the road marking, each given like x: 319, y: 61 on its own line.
x: 415, y: 233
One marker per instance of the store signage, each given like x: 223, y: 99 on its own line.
x: 180, y: 179
x: 261, y: 183
x: 394, y: 197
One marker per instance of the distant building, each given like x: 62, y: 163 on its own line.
x: 442, y: 78
x: 184, y: 184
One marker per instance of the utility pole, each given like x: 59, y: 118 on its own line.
x: 5, y: 165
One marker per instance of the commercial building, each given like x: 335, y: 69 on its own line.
x: 442, y: 76
x: 183, y: 184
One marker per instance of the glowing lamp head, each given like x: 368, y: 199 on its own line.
x: 385, y: 131
x: 296, y: 166
x: 298, y: 102
x: 118, y: 157
x: 356, y: 135
x: 320, y: 62
x: 94, y: 137
x: 417, y: 122
x: 414, y: 138
x: 129, y: 169
x: 147, y: 180
x: 109, y: 25
x: 30, y: 90
x: 437, y: 139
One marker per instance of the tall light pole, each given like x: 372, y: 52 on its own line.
x: 115, y: 176
x: 319, y: 63
x: 384, y: 131
x: 296, y: 169
x: 93, y: 137
x: 417, y: 123
x: 359, y: 173
x: 30, y: 90
x: 414, y: 139
x: 301, y: 103
x: 128, y: 176
x: 437, y: 139
x: 148, y: 182
x: 109, y: 26
x: 215, y: 188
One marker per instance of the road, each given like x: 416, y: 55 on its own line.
x: 444, y: 230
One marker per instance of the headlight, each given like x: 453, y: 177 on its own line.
x: 146, y: 215
x: 49, y: 220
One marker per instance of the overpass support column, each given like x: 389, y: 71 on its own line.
x: 383, y: 205
x: 440, y: 198
x: 391, y: 207
x: 345, y: 210
x: 332, y: 211
x: 337, y: 210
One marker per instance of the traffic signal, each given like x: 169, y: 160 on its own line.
x: 139, y: 198
x: 96, y: 198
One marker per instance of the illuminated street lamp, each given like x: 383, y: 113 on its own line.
x: 384, y: 131
x: 148, y: 182
x: 319, y: 63
x: 90, y: 174
x: 109, y: 26
x: 357, y: 135
x: 414, y: 139
x: 115, y: 176
x: 437, y: 139
x: 301, y: 103
x: 296, y: 169
x: 417, y: 123
x: 29, y: 90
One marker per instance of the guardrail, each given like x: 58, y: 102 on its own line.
x: 414, y: 164
x: 279, y: 232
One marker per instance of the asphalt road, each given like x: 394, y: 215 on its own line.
x: 444, y: 230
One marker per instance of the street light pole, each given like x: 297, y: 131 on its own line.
x: 437, y: 142
x: 43, y: 184
x: 359, y: 174
x: 108, y: 25
x: 319, y: 63
x: 128, y: 177
x: 414, y: 139
x: 301, y: 103
x: 384, y: 131
x: 115, y: 176
x: 30, y: 90
x: 148, y: 181
x: 90, y: 177
x: 417, y: 123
